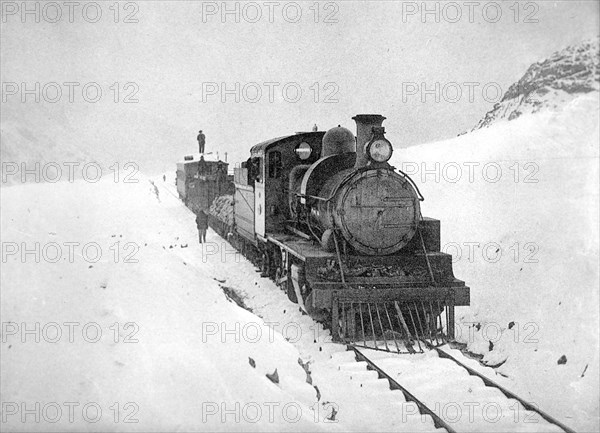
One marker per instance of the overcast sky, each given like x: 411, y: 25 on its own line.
x: 369, y: 57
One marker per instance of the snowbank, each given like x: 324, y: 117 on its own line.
x: 129, y: 323
x: 519, y: 204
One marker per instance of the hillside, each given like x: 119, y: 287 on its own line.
x: 550, y: 84
x: 104, y: 133
x: 523, y: 229
x: 144, y: 342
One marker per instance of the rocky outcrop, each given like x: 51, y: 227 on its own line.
x: 550, y: 84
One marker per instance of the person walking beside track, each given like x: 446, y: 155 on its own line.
x: 202, y: 224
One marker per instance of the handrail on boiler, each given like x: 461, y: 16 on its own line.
x: 406, y: 176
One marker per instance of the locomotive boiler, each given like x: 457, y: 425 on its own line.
x: 339, y: 229
x: 357, y: 194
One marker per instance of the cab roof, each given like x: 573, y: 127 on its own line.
x: 260, y: 149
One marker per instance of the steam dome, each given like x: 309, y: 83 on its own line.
x: 338, y: 140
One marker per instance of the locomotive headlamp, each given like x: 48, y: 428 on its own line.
x: 303, y: 150
x: 379, y: 148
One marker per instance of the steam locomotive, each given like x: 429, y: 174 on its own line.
x: 340, y: 230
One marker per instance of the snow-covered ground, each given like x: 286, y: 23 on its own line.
x: 175, y: 354
x: 159, y: 359
x: 522, y: 224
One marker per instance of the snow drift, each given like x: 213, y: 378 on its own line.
x: 519, y: 204
x: 126, y: 328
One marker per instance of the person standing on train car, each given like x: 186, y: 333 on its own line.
x: 202, y: 224
x: 201, y: 141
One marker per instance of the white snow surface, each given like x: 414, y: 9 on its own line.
x: 549, y: 214
x: 191, y: 362
x: 172, y: 374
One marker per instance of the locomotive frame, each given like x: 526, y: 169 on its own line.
x: 276, y: 192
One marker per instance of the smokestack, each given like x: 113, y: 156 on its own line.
x: 364, y: 132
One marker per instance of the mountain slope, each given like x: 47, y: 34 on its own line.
x: 519, y: 204
x: 550, y: 84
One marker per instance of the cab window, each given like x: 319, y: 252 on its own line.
x: 275, y: 166
x: 256, y: 169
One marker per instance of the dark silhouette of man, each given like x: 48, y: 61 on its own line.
x: 201, y: 141
x: 220, y: 168
x: 202, y: 224
x: 202, y: 166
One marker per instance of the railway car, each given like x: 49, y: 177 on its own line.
x: 340, y: 230
x: 200, y: 181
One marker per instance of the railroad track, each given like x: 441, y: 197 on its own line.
x: 459, y: 399
x: 510, y: 412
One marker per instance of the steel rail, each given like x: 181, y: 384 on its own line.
x: 506, y: 392
x: 437, y: 421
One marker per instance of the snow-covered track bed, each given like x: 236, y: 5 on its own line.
x: 452, y: 395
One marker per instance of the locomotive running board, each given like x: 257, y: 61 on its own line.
x: 399, y: 327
